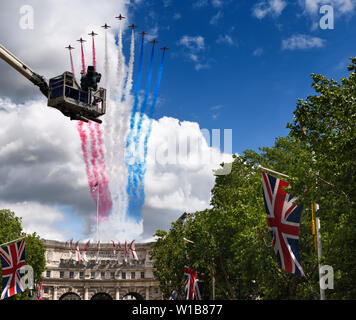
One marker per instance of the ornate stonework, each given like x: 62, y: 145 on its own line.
x: 106, y: 277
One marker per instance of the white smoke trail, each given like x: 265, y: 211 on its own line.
x: 125, y: 113
x: 128, y: 86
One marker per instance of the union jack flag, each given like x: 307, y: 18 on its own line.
x: 12, y: 259
x: 133, y: 250
x: 283, y: 218
x: 192, y: 285
x: 39, y: 294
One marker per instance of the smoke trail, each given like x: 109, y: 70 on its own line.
x: 136, y: 93
x: 83, y: 60
x: 106, y: 61
x: 120, y: 126
x: 144, y: 102
x: 99, y: 156
x: 94, y: 60
x: 84, y: 142
x: 152, y: 108
x: 131, y: 64
x: 131, y: 184
x: 142, y: 166
x: 71, y: 62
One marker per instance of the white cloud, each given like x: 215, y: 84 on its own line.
x: 226, y: 39
x: 177, y: 16
x: 196, y: 43
x: 217, y: 3
x: 312, y: 7
x: 273, y: 8
x: 302, y: 42
x: 39, y: 218
x: 215, y: 19
x: 195, y: 46
x: 258, y: 52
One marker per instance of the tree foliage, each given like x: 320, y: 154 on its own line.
x: 231, y: 239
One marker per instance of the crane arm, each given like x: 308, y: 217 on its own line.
x: 26, y: 71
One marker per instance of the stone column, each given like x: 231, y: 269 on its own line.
x: 86, y: 293
x: 117, y: 294
x: 55, y: 293
x: 147, y: 293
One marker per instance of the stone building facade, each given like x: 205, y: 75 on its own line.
x: 104, y: 276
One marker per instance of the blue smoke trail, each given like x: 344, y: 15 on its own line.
x: 153, y: 106
x: 142, y: 165
x: 144, y: 102
x: 132, y: 207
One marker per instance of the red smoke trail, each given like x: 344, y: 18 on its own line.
x: 94, y: 61
x: 99, y: 157
x: 71, y: 63
x: 83, y: 61
x: 84, y: 140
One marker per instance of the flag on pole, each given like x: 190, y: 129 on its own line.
x: 12, y: 259
x: 84, y: 253
x: 174, y: 296
x: 77, y: 252
x: 283, y: 218
x: 125, y: 251
x: 133, y: 251
x: 113, y: 243
x: 97, y: 251
x: 118, y: 252
x: 70, y: 248
x: 192, y: 285
x: 39, y: 294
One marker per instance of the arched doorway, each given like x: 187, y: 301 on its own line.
x: 132, y: 296
x: 69, y: 296
x: 101, y: 296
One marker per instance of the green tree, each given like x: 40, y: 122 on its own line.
x: 231, y: 238
x: 326, y: 123
x: 11, y: 229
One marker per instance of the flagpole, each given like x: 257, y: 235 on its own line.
x: 318, y: 235
x: 270, y: 170
x: 97, y: 214
x: 318, y: 238
x: 4, y: 244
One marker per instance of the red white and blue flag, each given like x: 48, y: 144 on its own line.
x: 133, y: 251
x: 39, y: 294
x: 283, y: 218
x: 192, y: 285
x: 12, y: 260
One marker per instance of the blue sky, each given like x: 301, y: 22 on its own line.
x: 227, y: 66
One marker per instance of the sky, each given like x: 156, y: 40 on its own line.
x: 231, y: 65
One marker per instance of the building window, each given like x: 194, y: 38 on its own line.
x: 103, y: 275
x: 48, y: 274
x: 123, y: 275
x: 45, y: 290
x: 61, y: 274
x: 112, y: 275
x: 133, y: 275
x: 142, y: 275
x: 81, y: 275
x: 156, y: 290
x: 92, y: 275
x: 71, y: 275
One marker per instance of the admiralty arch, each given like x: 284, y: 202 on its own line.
x: 105, y: 276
